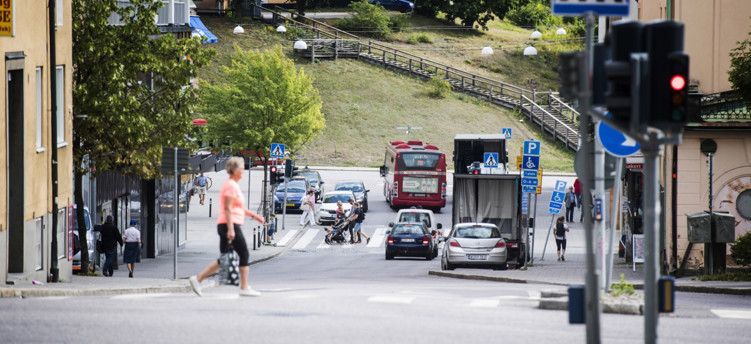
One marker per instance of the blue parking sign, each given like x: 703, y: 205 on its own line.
x: 532, y: 147
x: 530, y: 162
x: 560, y: 185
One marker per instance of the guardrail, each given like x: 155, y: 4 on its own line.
x: 564, y: 108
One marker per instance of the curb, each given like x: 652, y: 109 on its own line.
x: 488, y: 278
x: 561, y: 304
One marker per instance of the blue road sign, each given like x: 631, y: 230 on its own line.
x: 530, y: 162
x: 560, y: 185
x: 525, y: 203
x: 529, y: 189
x: 532, y: 147
x: 529, y: 182
x: 491, y: 159
x: 529, y: 173
x: 555, y: 205
x: 554, y: 211
x: 277, y: 150
x: 506, y: 133
x: 557, y: 197
x: 603, y: 8
x: 615, y: 142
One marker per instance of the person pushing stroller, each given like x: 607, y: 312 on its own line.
x: 336, y: 231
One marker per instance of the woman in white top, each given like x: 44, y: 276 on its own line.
x: 307, y: 215
x: 132, y: 238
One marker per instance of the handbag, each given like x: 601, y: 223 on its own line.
x: 304, y: 207
x: 229, y: 268
x: 99, y: 246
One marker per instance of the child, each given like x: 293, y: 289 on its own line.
x: 271, y: 224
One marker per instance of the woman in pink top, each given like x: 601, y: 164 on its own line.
x: 231, y: 217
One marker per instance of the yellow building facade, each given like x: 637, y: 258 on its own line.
x: 26, y: 200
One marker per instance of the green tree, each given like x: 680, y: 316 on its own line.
x: 469, y: 12
x: 120, y: 121
x: 366, y: 17
x: 740, y: 68
x: 264, y: 100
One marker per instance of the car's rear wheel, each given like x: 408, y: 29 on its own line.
x: 389, y: 255
x: 445, y: 265
x: 435, y: 253
x: 429, y: 255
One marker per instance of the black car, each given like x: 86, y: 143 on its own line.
x: 395, y: 5
x: 358, y: 188
x: 314, y: 179
x: 410, y: 239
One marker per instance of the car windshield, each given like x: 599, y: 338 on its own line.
x: 336, y: 198
x: 415, y: 217
x: 354, y: 186
x: 312, y: 177
x: 292, y: 187
x: 407, y: 229
x: 477, y: 232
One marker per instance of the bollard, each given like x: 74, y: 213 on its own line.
x: 209, y: 207
x: 666, y: 294
x: 576, y: 304
x: 254, y: 239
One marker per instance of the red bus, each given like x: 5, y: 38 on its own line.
x: 414, y: 175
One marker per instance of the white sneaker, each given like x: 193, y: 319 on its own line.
x: 249, y: 292
x: 195, y: 285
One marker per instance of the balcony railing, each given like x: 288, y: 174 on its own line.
x: 724, y: 107
x: 174, y: 12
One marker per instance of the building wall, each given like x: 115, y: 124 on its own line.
x: 712, y: 29
x: 31, y: 38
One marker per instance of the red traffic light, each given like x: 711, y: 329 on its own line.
x: 677, y: 82
x: 273, y: 169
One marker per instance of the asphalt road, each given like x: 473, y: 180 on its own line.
x: 350, y: 294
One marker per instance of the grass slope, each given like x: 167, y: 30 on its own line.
x: 363, y: 104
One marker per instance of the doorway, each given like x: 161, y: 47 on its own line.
x: 15, y: 164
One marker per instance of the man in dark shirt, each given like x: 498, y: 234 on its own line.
x: 110, y: 237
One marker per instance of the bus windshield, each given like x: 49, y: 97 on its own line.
x: 419, y: 161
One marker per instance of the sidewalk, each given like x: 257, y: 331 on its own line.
x: 155, y: 275
x: 573, y: 270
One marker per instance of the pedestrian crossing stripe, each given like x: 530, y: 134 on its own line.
x: 377, y: 238
x: 287, y: 237
x: 306, y: 239
x: 491, y: 159
x: 732, y: 313
x: 277, y: 150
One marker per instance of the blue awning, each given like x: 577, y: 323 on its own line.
x: 200, y: 29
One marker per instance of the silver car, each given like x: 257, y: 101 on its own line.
x: 474, y: 244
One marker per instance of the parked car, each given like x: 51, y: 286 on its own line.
x: 296, y: 190
x: 314, y: 178
x: 90, y: 240
x: 474, y: 244
x: 395, y: 5
x: 327, y: 211
x: 410, y: 239
x: 419, y: 215
x: 358, y: 188
x: 475, y: 168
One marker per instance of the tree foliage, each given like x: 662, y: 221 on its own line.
x: 469, y: 12
x: 130, y: 94
x: 265, y: 100
x: 740, y: 68
x: 366, y: 17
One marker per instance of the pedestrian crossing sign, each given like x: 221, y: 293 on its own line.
x: 491, y: 159
x: 277, y: 150
x: 506, y: 133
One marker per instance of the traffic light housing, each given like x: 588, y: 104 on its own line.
x: 599, y: 82
x: 273, y: 176
x: 668, y: 72
x: 289, y: 166
x: 568, y: 71
x: 626, y: 38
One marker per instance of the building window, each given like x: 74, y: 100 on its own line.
x: 743, y: 204
x: 59, y: 13
x: 62, y: 234
x: 39, y: 235
x: 60, y: 101
x: 39, y: 109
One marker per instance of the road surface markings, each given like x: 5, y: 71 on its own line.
x: 484, y: 303
x: 287, y: 237
x: 140, y: 296
x: 306, y: 239
x: 377, y: 237
x: 732, y: 313
x: 400, y: 299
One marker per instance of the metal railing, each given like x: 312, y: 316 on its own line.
x: 563, y: 108
x: 557, y: 127
x: 725, y: 107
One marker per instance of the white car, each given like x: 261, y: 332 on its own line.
x: 327, y: 211
x: 419, y: 215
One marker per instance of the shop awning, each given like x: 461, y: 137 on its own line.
x: 200, y: 29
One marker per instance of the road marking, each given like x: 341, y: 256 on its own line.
x: 534, y: 295
x: 140, y: 296
x: 323, y: 245
x: 287, y: 237
x: 306, y: 239
x: 732, y: 313
x: 400, y: 299
x: 377, y: 237
x: 484, y: 303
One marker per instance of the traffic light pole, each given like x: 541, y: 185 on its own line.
x: 651, y: 150
x: 592, y: 310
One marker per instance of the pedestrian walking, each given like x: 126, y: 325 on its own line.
x: 201, y: 187
x: 570, y: 201
x: 308, y: 207
x: 132, y: 238
x: 357, y: 216
x: 270, y: 228
x: 351, y: 225
x: 560, y: 238
x: 578, y: 194
x: 110, y: 238
x: 229, y: 227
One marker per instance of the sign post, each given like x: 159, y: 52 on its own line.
x: 530, y: 181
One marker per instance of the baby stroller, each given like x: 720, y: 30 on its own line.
x: 336, y: 232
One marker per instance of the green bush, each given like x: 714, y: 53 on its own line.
x: 534, y: 13
x: 622, y: 287
x: 421, y: 38
x: 741, y: 249
x: 439, y: 88
x: 366, y: 17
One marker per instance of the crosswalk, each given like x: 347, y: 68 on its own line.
x: 313, y: 238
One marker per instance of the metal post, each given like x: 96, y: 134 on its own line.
x: 254, y: 238
x: 585, y: 97
x: 534, y: 231
x: 526, y: 240
x: 175, y: 211
x: 613, y: 218
x: 599, y: 226
x: 550, y: 228
x: 250, y: 166
x: 651, y: 236
x: 708, y: 248
x: 209, y: 207
x: 284, y: 205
